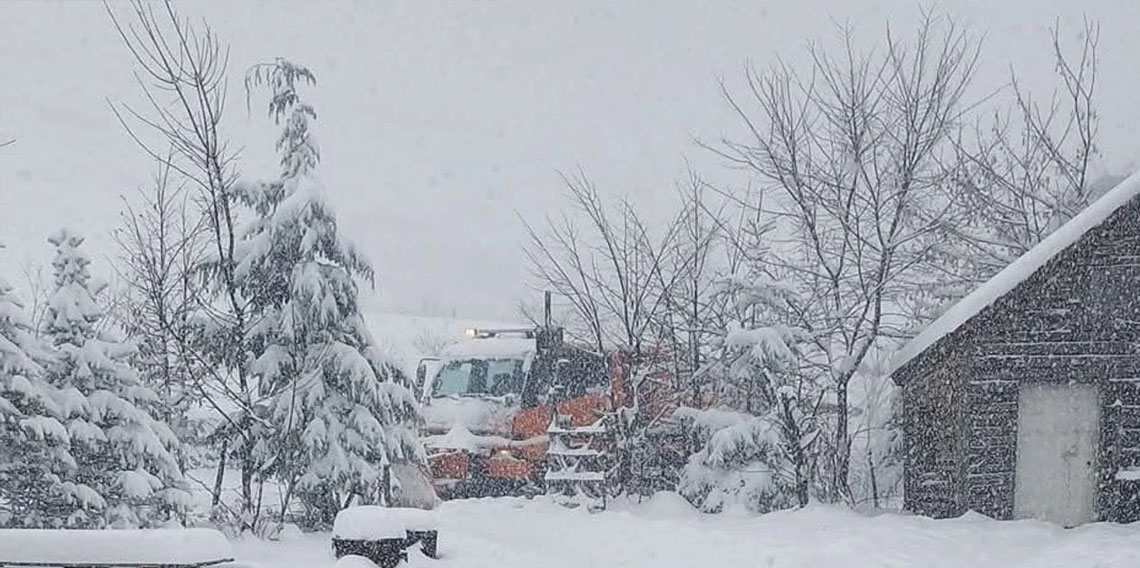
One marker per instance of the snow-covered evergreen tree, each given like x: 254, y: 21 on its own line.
x: 741, y: 463
x: 751, y: 446
x: 126, y: 473
x: 342, y: 412
x: 34, y: 445
x: 756, y: 447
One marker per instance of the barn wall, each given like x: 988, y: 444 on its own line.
x: 1077, y: 320
x: 933, y: 435
x: 990, y: 410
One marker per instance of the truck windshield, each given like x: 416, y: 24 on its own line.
x: 495, y: 377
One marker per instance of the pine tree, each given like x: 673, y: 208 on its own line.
x: 758, y: 447
x: 342, y: 412
x: 34, y: 445
x: 124, y: 455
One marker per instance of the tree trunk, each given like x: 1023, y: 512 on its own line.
x: 247, y: 471
x: 874, y: 482
x: 799, y: 455
x: 218, y: 479
x: 842, y: 445
x: 801, y: 479
x: 386, y: 487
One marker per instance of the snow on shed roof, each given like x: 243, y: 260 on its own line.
x: 1006, y: 280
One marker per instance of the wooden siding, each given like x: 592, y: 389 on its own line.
x: 933, y: 434
x: 1076, y: 320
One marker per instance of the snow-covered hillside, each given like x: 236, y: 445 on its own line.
x: 665, y: 532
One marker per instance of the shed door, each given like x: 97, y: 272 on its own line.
x: 1057, y: 432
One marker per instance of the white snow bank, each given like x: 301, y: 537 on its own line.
x: 148, y: 547
x: 661, y: 533
x: 372, y: 522
x: 354, y: 561
x: 414, y: 488
x: 1022, y: 268
x: 661, y: 505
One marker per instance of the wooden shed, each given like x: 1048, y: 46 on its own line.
x: 1023, y: 399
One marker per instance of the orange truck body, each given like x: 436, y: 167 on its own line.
x: 521, y: 458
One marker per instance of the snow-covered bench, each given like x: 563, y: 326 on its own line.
x: 384, y: 534
x: 159, y: 548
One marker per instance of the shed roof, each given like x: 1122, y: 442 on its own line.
x: 1016, y: 273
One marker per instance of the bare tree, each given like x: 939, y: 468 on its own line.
x: 182, y: 74
x: 693, y: 315
x: 613, y: 276
x: 560, y: 260
x: 854, y: 150
x: 38, y: 291
x: 1026, y: 171
x: 161, y: 245
x: 619, y: 278
x: 431, y: 342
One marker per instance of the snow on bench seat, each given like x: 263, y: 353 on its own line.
x: 383, y: 534
x: 128, y: 548
x: 372, y: 522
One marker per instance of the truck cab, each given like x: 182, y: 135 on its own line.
x: 488, y: 400
x: 486, y: 363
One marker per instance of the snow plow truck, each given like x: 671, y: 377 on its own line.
x: 492, y: 401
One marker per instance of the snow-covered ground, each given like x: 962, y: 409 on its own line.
x: 665, y: 532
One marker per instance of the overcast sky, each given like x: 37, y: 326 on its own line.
x: 441, y: 124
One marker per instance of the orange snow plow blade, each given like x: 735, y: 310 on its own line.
x: 449, y: 465
x: 508, y: 467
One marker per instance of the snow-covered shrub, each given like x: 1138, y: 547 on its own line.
x: 741, y: 463
x: 757, y: 449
